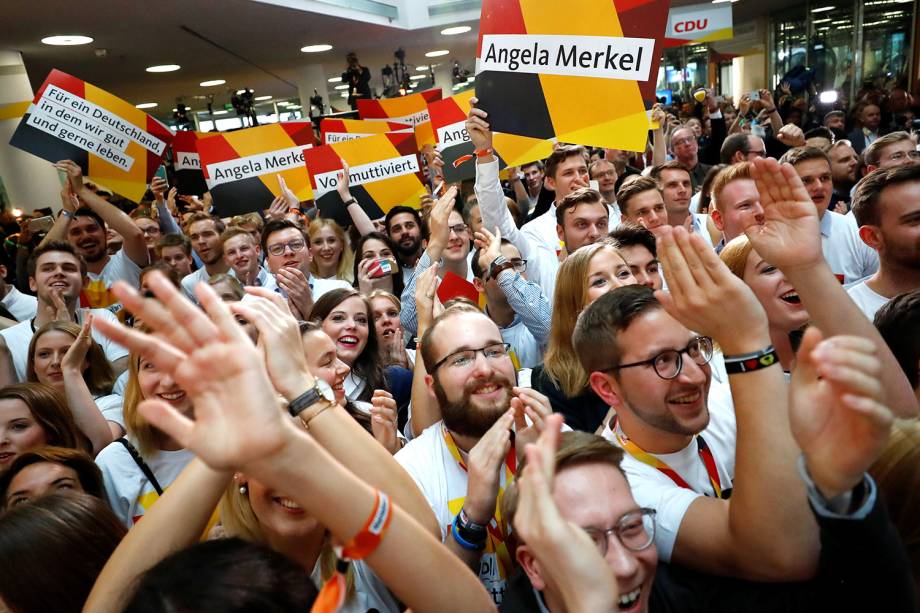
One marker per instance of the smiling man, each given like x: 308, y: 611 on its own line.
x: 849, y: 257
x: 204, y: 231
x: 242, y: 254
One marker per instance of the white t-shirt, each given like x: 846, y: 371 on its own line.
x: 18, y: 337
x: 429, y: 462
x: 195, y: 277
x: 97, y: 294
x: 866, y: 299
x: 111, y: 407
x: 370, y: 591
x: 847, y: 255
x: 652, y: 488
x: 21, y: 306
x: 128, y: 491
x: 320, y: 286
x: 542, y: 230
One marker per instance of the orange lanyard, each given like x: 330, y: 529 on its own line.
x: 650, y: 460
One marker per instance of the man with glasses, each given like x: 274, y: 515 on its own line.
x: 288, y: 258
x: 605, y: 173
x: 680, y: 441
x: 890, y: 151
x: 685, y: 149
x: 742, y: 148
x: 463, y: 463
x: 517, y: 306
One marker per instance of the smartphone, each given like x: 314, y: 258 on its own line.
x: 594, y: 184
x: 41, y: 224
x: 161, y: 172
x: 380, y: 268
x: 755, y: 95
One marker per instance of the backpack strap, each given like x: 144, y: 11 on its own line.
x: 136, y: 455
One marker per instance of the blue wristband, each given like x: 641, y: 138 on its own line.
x: 462, y: 541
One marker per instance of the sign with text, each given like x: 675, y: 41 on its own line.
x: 587, y: 80
x: 698, y: 23
x: 338, y: 130
x: 242, y: 168
x: 411, y: 109
x: 116, y: 144
x: 384, y: 171
x: 187, y: 164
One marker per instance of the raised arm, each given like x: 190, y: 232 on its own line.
x: 238, y: 426
x: 765, y: 531
x: 659, y: 140
x: 790, y: 240
x: 361, y: 220
x: 134, y: 245
x: 425, y: 410
x: 69, y: 204
x: 165, y: 218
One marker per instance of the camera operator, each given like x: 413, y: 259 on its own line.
x: 358, y: 79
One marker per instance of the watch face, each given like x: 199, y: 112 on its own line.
x: 325, y: 390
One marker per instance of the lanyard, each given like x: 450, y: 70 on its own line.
x: 646, y: 458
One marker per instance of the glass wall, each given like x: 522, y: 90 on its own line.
x: 886, y: 28
x: 683, y: 69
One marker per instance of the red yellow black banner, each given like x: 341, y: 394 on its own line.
x: 338, y: 130
x: 384, y: 171
x: 411, y: 109
x: 585, y: 77
x: 187, y: 164
x: 242, y: 168
x: 116, y: 144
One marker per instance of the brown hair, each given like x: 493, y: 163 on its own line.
x: 60, y: 542
x: 561, y: 154
x: 202, y: 216
x: 869, y: 191
x: 174, y: 240
x: 873, y: 153
x: 87, y: 472
x: 735, y: 255
x: 735, y: 172
x: 98, y: 374
x: 582, y: 195
x: 803, y: 154
x: 671, y: 165
x: 50, y: 410
x: 629, y: 190
x: 235, y: 231
x: 32, y: 262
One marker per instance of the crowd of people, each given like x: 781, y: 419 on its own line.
x: 273, y: 412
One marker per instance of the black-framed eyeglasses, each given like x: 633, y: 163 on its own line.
x: 465, y: 357
x: 636, y: 531
x: 669, y: 362
x: 458, y: 228
x: 295, y: 245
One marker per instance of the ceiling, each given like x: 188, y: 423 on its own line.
x: 261, y: 45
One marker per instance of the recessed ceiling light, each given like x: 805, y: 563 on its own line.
x: 316, y: 48
x: 344, y: 94
x: 67, y: 40
x: 220, y: 112
x: 212, y: 83
x: 417, y: 77
x: 822, y: 9
x: 163, y: 68
x: 240, y: 92
x: 292, y: 107
x: 341, y: 87
x: 437, y: 53
x: 456, y: 30
x: 146, y: 105
x: 335, y: 79
x: 421, y: 68
x: 261, y: 98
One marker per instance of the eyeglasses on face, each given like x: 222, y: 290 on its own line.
x: 458, y: 228
x: 636, y: 531
x: 669, y: 362
x: 465, y: 358
x: 295, y: 245
x: 897, y: 156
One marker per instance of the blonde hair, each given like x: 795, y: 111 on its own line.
x: 735, y: 254
x: 149, y: 439
x: 561, y: 362
x: 345, y: 270
x: 382, y: 293
x: 239, y: 520
x: 735, y: 172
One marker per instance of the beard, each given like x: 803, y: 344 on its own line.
x: 666, y: 421
x: 468, y: 418
x: 407, y: 249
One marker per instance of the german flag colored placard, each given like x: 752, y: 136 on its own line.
x: 448, y: 120
x: 337, y: 130
x: 187, y: 164
x: 242, y: 168
x: 114, y: 143
x: 583, y: 74
x: 411, y: 109
x: 384, y: 171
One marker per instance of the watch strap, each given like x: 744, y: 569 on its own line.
x: 307, y: 399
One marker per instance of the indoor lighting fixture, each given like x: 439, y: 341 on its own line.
x: 240, y: 92
x: 344, y: 94
x: 417, y: 77
x: 261, y: 98
x: 316, y: 48
x: 421, y: 68
x: 335, y: 79
x: 343, y: 86
x: 822, y: 9
x: 145, y: 105
x: 67, y: 40
x: 212, y: 83
x: 437, y: 53
x: 220, y: 112
x: 828, y: 97
x: 456, y: 30
x: 163, y: 68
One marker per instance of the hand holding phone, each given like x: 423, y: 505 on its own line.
x: 380, y: 268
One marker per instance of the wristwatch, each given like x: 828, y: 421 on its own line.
x: 320, y: 394
x: 498, y: 265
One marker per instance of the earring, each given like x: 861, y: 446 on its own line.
x: 244, y: 490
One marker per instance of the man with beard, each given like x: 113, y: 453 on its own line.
x: 404, y: 227
x: 844, y: 163
x: 463, y: 463
x: 849, y: 257
x: 85, y: 228
x: 869, y: 116
x: 56, y: 275
x: 243, y: 255
x: 204, y: 231
x: 887, y: 209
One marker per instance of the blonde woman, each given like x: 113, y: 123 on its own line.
x: 333, y: 257
x: 585, y: 275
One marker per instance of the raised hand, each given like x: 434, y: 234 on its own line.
x: 74, y: 175
x: 438, y: 222
x: 287, y: 194
x: 706, y: 297
x: 75, y: 356
x: 790, y: 235
x: 159, y: 186
x: 171, y: 201
x: 237, y: 419
x: 535, y: 406
x: 836, y: 409
x: 344, y: 182
x: 791, y: 135
x: 477, y: 127
x: 277, y: 209
x: 383, y: 420
x: 68, y: 200
x: 427, y: 305
x: 295, y: 284
x: 486, y: 460
x: 489, y: 247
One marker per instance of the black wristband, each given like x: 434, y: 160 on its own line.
x: 350, y: 202
x: 737, y: 364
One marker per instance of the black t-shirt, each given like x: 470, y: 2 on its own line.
x: 584, y: 412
